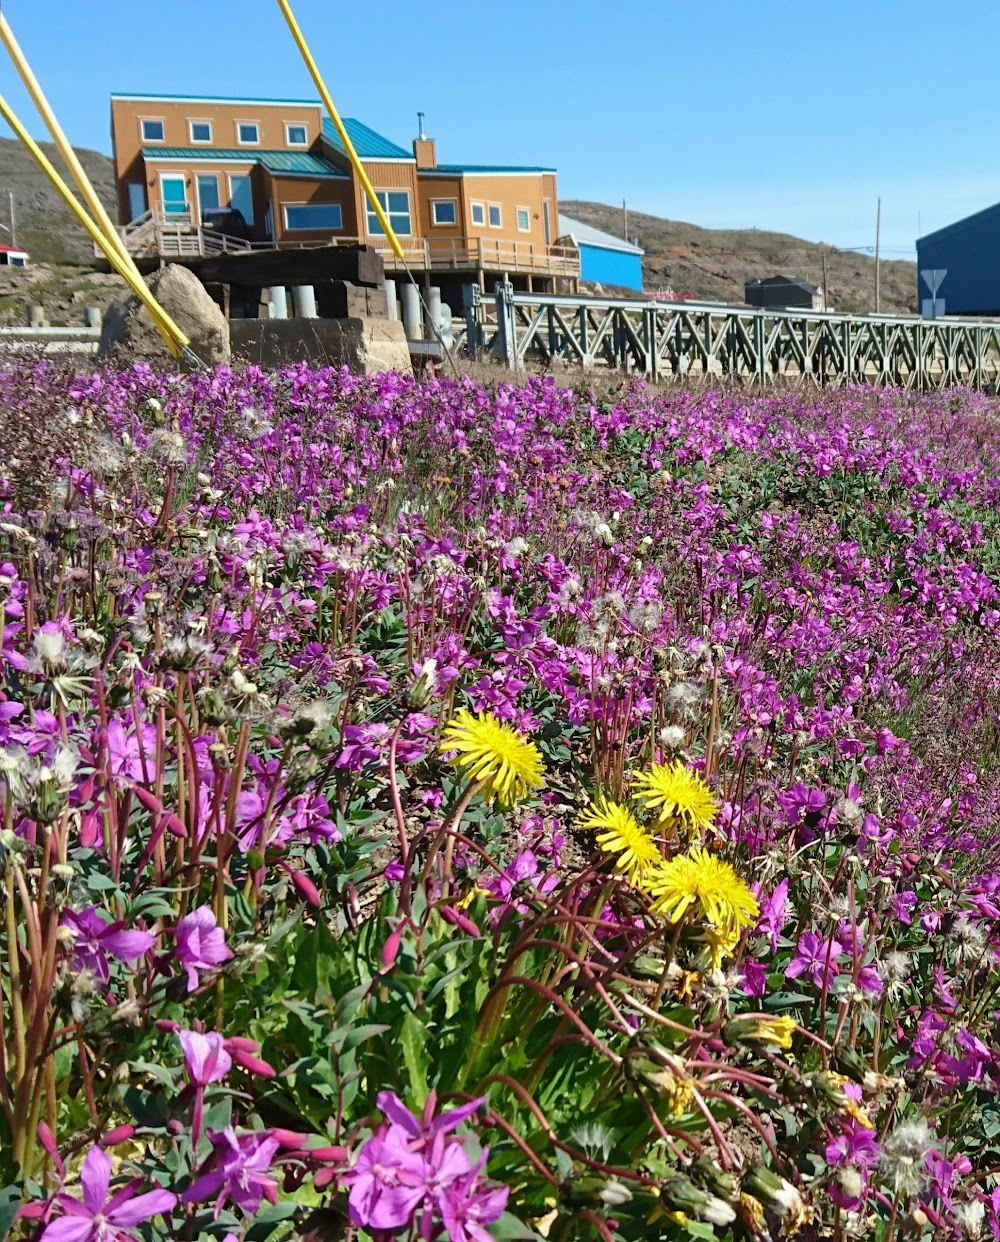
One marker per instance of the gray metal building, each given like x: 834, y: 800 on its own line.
x: 968, y: 254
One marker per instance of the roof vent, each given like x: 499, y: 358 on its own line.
x: 421, y: 136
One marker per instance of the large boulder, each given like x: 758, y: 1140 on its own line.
x: 130, y: 335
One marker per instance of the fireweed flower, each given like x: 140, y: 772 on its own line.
x: 205, y: 1057
x: 701, y: 881
x: 98, y: 1218
x: 93, y: 940
x: 618, y: 833
x: 238, y: 1172
x: 494, y: 754
x: 817, y: 958
x: 677, y: 794
x: 201, y: 944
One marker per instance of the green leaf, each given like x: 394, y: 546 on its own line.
x: 508, y: 1226
x: 413, y: 1042
x: 10, y: 1201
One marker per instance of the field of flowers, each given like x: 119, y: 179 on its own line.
x: 445, y: 811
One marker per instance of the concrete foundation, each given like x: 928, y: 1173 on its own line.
x: 365, y: 346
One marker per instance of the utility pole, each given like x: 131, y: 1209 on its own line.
x: 13, y: 222
x: 878, y: 273
x: 625, y: 212
x: 824, y: 281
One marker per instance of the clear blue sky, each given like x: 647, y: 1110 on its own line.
x: 782, y: 114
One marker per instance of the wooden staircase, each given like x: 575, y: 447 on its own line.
x: 175, y: 236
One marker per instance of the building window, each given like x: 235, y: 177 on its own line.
x: 136, y: 200
x: 241, y: 197
x: 396, y: 205
x: 496, y: 220
x: 173, y: 192
x: 314, y: 217
x: 248, y: 133
x: 478, y: 214
x: 443, y: 211
x: 546, y: 222
x: 523, y: 220
x: 208, y: 193
x: 296, y: 135
x: 201, y: 132
x: 153, y: 131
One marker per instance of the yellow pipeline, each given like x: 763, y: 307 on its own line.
x: 164, y: 324
x: 176, y: 341
x: 352, y: 155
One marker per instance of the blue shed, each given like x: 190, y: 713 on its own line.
x: 604, y: 258
x: 968, y: 252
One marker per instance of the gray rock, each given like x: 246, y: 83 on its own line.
x: 130, y: 335
x: 366, y: 346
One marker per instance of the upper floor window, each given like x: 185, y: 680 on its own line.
x: 396, y: 205
x: 443, y: 211
x: 248, y: 133
x: 478, y: 213
x: 201, y: 131
x: 153, y: 131
x: 523, y: 220
x: 495, y: 218
x: 296, y: 135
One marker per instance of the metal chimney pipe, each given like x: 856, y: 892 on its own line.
x: 420, y: 127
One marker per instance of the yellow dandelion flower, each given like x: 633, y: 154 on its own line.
x: 720, y: 944
x: 708, y: 884
x: 619, y: 833
x: 674, y: 1085
x: 508, y: 765
x: 676, y: 793
x: 776, y: 1032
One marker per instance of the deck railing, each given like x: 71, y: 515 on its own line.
x: 179, y: 235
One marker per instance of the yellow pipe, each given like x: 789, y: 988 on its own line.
x: 352, y: 155
x: 164, y: 324
x: 177, y: 342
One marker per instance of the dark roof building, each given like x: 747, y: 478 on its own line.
x: 783, y: 293
x: 958, y: 267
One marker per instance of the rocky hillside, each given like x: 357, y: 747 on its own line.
x: 714, y: 263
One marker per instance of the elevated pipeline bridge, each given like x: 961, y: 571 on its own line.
x: 658, y: 340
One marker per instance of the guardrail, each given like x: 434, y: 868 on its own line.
x: 657, y: 339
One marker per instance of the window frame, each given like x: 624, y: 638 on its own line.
x: 230, y: 178
x: 498, y: 208
x: 166, y: 176
x: 313, y: 228
x: 479, y: 224
x: 201, y: 142
x: 198, y: 178
x: 289, y: 126
x: 370, y: 214
x: 240, y: 141
x: 444, y: 202
x: 526, y: 211
x: 153, y: 120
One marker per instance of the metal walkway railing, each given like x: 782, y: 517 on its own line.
x: 659, y: 339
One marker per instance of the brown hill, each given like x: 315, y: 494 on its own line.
x: 714, y: 263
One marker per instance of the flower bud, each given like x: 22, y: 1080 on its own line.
x: 776, y: 1032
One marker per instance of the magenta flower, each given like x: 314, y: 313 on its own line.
x: 205, y: 1057
x: 98, y: 1218
x: 201, y: 944
x: 388, y: 1182
x: 93, y: 940
x: 238, y: 1172
x: 817, y: 958
x: 772, y: 914
x: 469, y: 1207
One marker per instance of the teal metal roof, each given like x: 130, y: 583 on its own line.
x: 368, y: 144
x: 293, y: 163
x: 221, y: 99
x: 486, y: 169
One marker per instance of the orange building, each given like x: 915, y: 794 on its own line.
x: 198, y: 175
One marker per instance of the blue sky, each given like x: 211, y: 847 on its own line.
x: 791, y: 115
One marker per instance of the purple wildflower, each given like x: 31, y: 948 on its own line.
x: 205, y: 1057
x: 201, y: 944
x: 387, y: 1182
x: 815, y: 957
x: 238, y: 1172
x: 469, y: 1207
x: 93, y: 940
x: 98, y: 1218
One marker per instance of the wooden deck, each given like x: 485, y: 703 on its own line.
x: 179, y: 236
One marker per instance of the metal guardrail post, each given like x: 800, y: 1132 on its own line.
x: 506, y: 339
